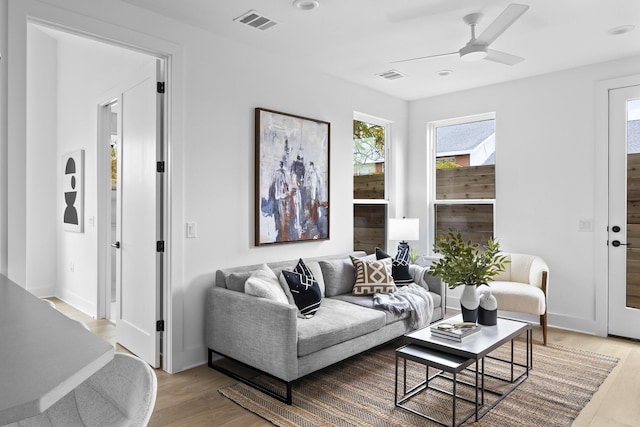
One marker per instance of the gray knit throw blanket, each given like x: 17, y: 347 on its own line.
x: 412, y: 298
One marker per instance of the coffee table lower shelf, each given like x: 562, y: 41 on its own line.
x: 441, y: 362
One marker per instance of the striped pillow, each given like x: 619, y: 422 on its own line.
x: 304, y: 288
x: 373, y: 276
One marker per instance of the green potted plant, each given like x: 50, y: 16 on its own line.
x: 466, y: 263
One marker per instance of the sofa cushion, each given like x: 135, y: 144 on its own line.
x: 264, y: 283
x: 367, y: 301
x: 339, y: 276
x: 372, y: 276
x: 399, y: 265
x: 236, y: 281
x: 315, y: 269
x: 304, y: 288
x: 335, y: 322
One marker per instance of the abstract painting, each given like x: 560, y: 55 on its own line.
x: 73, y: 191
x: 292, y: 178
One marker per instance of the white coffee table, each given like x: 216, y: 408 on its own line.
x: 478, y: 346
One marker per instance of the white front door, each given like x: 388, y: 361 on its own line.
x: 624, y: 212
x: 139, y: 223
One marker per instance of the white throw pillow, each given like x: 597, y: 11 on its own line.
x: 264, y: 283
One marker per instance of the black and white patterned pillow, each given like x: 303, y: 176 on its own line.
x: 304, y: 288
x: 372, y: 276
x: 399, y: 264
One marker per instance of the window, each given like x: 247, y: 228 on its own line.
x: 463, y: 193
x: 369, y: 195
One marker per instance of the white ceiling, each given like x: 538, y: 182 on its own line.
x: 356, y: 39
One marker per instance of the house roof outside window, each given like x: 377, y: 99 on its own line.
x: 476, y: 139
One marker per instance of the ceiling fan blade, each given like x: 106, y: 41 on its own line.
x: 425, y: 57
x: 501, y: 23
x: 502, y: 57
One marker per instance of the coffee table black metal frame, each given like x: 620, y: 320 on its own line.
x: 442, y: 362
x: 479, y: 346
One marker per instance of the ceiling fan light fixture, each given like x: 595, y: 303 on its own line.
x: 473, y: 52
x: 306, y: 4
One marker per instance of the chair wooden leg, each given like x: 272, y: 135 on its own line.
x: 543, y: 323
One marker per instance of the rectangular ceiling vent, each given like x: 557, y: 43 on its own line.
x: 256, y: 20
x: 391, y: 75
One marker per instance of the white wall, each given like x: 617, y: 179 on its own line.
x: 42, y: 163
x: 214, y: 87
x: 545, y: 176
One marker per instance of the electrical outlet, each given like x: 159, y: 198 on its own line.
x: 72, y: 267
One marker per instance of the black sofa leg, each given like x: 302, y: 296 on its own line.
x: 287, y: 398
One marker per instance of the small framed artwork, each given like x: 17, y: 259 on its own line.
x: 73, y: 191
x: 291, y: 178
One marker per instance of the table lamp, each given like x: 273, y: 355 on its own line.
x: 403, y: 229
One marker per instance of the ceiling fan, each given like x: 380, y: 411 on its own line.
x: 478, y: 47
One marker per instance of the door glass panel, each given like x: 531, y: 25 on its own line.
x: 633, y: 204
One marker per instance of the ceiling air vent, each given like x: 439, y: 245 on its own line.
x: 256, y: 20
x: 391, y: 75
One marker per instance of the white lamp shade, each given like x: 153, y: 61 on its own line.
x: 403, y: 229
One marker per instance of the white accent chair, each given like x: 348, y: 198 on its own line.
x: 523, y: 286
x: 122, y: 393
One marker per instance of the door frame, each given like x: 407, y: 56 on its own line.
x: 601, y: 209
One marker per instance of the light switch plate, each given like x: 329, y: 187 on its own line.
x: 585, y: 224
x: 192, y: 230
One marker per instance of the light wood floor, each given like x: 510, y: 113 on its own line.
x: 190, y: 398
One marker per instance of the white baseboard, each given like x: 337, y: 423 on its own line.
x: 43, y: 291
x: 82, y: 304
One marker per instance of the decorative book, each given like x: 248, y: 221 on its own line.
x: 454, y: 331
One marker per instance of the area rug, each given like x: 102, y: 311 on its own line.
x: 360, y: 392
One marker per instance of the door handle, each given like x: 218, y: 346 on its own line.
x: 116, y: 245
x: 617, y: 243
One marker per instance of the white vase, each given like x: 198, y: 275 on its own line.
x: 488, y: 311
x: 469, y: 303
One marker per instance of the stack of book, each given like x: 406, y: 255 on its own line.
x: 454, y: 331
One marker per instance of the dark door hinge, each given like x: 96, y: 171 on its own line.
x: 160, y: 87
x: 160, y: 166
x: 159, y: 325
x: 160, y: 246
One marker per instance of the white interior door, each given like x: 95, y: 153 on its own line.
x: 624, y: 212
x: 139, y: 264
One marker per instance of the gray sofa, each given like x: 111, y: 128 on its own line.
x: 271, y: 337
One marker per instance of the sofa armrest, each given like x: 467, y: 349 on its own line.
x: 256, y: 331
x: 537, y: 276
x: 422, y: 277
